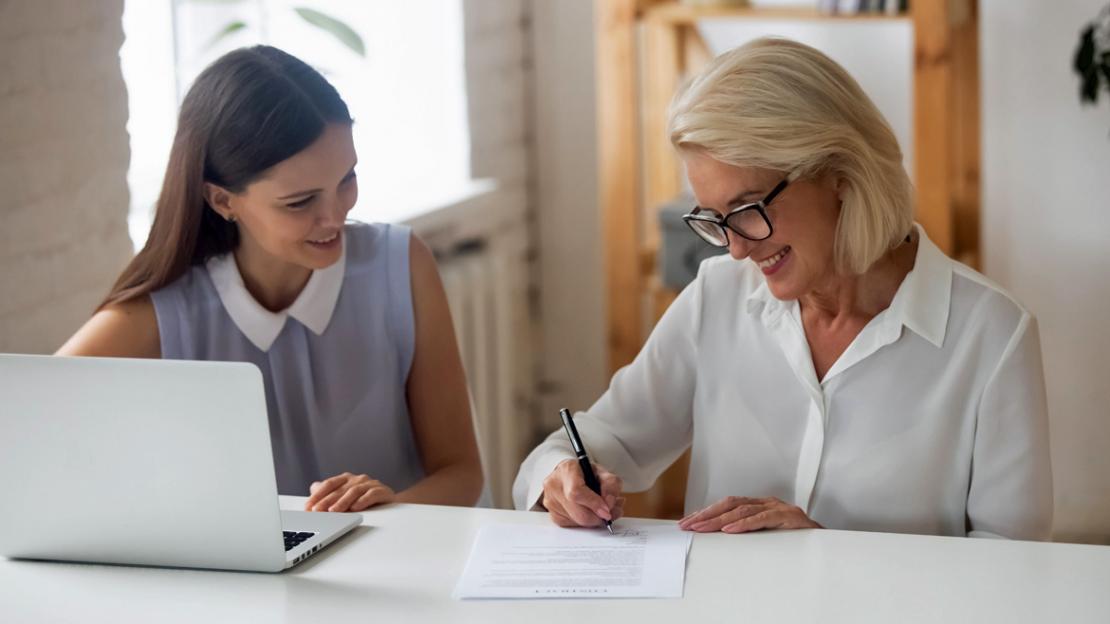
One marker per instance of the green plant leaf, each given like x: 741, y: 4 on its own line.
x: 340, y: 30
x: 1085, y: 53
x: 231, y: 27
x: 1104, y: 66
x: 1088, y: 90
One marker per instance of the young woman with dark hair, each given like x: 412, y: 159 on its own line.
x: 250, y: 258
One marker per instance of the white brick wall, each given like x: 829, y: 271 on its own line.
x: 531, y: 94
x: 63, y: 166
x: 498, y: 75
x: 571, y: 271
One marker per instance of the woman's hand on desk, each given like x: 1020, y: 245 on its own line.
x: 738, y: 514
x: 347, y: 492
x: 572, y: 504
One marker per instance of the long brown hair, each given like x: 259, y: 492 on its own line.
x: 249, y: 110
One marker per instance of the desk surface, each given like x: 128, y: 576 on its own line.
x: 403, y: 563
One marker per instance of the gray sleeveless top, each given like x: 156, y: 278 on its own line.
x: 335, y: 363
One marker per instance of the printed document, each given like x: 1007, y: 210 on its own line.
x: 524, y: 561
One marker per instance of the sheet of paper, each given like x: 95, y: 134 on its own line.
x: 522, y: 561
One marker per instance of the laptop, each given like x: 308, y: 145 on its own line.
x: 145, y: 462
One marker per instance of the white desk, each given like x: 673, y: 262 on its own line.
x: 402, y: 564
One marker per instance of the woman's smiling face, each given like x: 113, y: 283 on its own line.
x: 798, y: 256
x: 295, y: 212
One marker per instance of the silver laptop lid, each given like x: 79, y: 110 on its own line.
x: 148, y: 462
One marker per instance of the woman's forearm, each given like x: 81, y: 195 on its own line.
x: 457, y: 484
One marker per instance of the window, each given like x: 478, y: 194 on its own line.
x: 407, y: 94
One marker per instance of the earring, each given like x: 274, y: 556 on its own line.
x: 230, y: 218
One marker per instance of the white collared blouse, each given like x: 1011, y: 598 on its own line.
x: 932, y: 421
x: 334, y: 364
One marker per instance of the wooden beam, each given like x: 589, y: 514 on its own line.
x: 661, y: 72
x: 666, y: 497
x: 932, y: 98
x: 966, y: 136
x: 697, y: 53
x: 619, y: 175
x: 686, y: 14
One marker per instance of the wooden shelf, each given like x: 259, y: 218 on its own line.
x: 682, y: 14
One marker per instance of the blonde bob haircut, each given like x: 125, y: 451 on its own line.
x: 782, y: 105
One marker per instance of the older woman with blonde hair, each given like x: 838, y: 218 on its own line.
x: 835, y: 369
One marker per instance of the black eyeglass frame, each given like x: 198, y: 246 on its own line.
x: 722, y: 222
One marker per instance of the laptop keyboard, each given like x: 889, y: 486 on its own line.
x: 294, y: 539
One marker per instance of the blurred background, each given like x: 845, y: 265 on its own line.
x: 523, y: 140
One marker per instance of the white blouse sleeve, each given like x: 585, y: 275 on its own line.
x: 1010, y: 494
x: 643, y: 422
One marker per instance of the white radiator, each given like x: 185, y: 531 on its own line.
x: 487, y: 288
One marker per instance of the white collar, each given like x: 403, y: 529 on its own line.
x: 921, y: 302
x: 313, y: 307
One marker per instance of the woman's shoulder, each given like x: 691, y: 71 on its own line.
x: 953, y: 294
x: 965, y: 277
x: 186, y: 284
x: 983, y: 302
x: 370, y: 242
x: 122, y: 329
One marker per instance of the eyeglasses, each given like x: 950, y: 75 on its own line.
x: 747, y: 220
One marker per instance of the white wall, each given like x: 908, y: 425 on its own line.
x: 568, y: 217
x: 497, y: 83
x: 1046, y: 231
x: 63, y: 167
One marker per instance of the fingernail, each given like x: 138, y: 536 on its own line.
x: 604, y: 513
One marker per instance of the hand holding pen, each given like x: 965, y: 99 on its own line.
x: 567, y: 494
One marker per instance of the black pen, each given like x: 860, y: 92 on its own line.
x: 583, y: 459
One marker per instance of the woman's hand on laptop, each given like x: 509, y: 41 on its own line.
x: 347, y: 492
